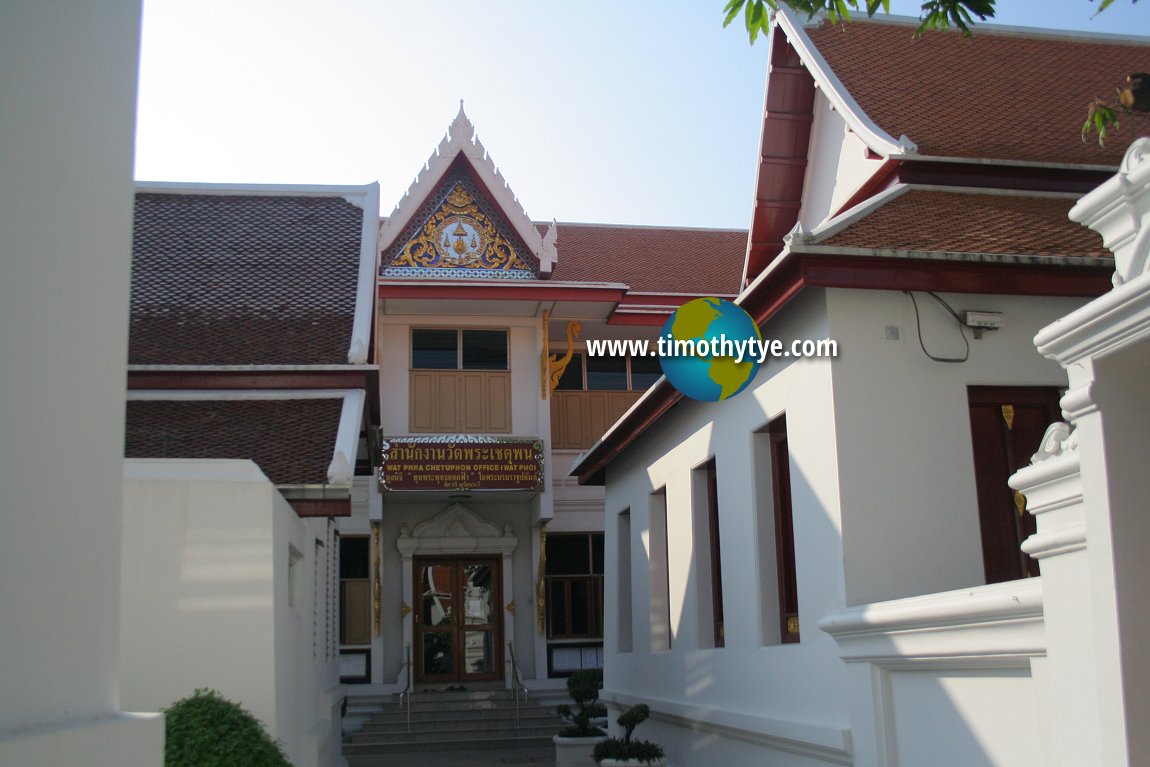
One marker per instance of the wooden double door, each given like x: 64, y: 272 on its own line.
x: 458, y: 620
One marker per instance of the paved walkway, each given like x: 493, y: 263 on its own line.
x: 521, y: 757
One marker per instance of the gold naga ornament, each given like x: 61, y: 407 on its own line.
x: 460, y: 236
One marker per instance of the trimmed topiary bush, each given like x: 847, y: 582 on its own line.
x: 584, y: 687
x: 625, y: 748
x: 208, y: 730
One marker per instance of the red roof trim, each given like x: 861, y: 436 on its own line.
x: 255, y: 379
x: 322, y: 508
x: 492, y: 290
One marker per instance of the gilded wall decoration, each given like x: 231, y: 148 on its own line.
x: 458, y: 235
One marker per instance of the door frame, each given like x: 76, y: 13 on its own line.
x: 456, y: 532
x: 459, y: 628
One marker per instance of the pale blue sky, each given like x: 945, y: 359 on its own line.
x: 636, y: 112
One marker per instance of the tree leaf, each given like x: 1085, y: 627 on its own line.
x: 732, y: 10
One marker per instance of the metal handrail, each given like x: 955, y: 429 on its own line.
x: 516, y: 681
x: 405, y: 696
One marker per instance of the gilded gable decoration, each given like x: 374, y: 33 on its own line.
x: 459, y: 236
x: 460, y: 219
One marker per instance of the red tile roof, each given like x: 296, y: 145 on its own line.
x: 243, y: 279
x: 964, y: 222
x: 652, y: 259
x: 999, y: 95
x: 291, y: 440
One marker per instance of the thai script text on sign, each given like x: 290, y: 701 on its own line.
x: 471, y: 463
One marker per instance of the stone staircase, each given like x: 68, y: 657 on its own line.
x: 452, y: 721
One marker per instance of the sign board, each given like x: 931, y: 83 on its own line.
x: 460, y: 462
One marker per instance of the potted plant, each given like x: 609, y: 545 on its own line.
x: 624, y: 752
x: 573, y: 744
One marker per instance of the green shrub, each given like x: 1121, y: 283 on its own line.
x: 584, y: 687
x: 625, y: 748
x: 208, y: 730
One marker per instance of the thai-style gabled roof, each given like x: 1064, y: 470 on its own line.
x: 971, y: 224
x: 434, y: 184
x: 226, y: 275
x: 1006, y: 94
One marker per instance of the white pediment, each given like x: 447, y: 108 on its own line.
x: 456, y: 530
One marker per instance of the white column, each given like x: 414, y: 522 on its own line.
x: 1105, y: 349
x: 1069, y: 676
x: 67, y: 112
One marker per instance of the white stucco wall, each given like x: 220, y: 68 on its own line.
x: 838, y: 163
x: 206, y: 587
x: 884, y: 506
x: 910, y: 509
x: 67, y: 115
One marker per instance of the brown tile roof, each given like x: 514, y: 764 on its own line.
x: 292, y: 441
x: 243, y: 279
x: 652, y: 259
x: 1004, y: 96
x: 962, y: 222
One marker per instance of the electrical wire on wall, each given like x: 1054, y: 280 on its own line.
x: 953, y: 313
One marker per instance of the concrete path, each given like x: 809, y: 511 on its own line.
x: 518, y: 757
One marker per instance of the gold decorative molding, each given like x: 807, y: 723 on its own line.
x: 557, y: 365
x: 793, y: 624
x: 460, y: 236
x: 510, y: 607
x: 376, y: 586
x: 541, y: 583
x: 1008, y: 416
x: 404, y: 610
x: 1020, y: 503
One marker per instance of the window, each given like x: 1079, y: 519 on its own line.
x: 784, y: 531
x: 354, y: 590
x: 660, y: 574
x: 623, y: 579
x: 575, y: 585
x: 609, y: 373
x: 705, y: 512
x: 775, y: 540
x: 440, y: 349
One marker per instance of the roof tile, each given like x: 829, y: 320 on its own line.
x: 243, y: 279
x: 652, y: 259
x: 999, y: 95
x: 291, y: 440
x: 962, y: 222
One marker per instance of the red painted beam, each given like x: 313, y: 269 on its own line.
x: 322, y: 508
x: 253, y: 379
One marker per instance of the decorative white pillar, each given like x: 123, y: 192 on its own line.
x: 1053, y: 489
x: 1093, y: 553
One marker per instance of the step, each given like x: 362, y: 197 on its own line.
x: 461, y: 723
x: 383, y: 722
x: 454, y: 733
x: 462, y: 746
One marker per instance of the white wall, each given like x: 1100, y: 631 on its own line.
x: 884, y: 506
x: 67, y: 112
x: 205, y: 580
x: 838, y: 163
x: 784, y: 697
x: 910, y: 509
